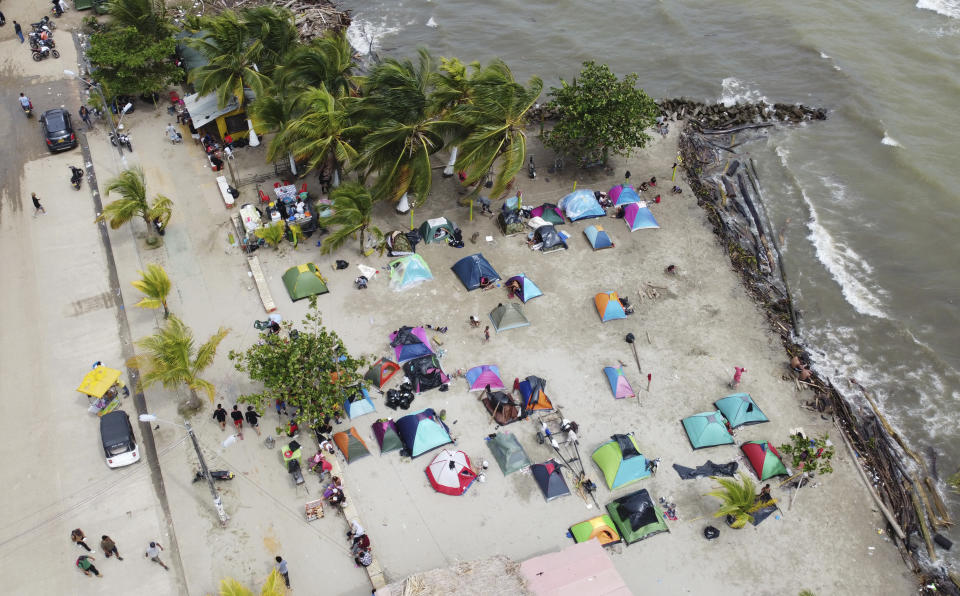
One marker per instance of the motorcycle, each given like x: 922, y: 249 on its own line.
x: 27, y: 110
x: 123, y: 139
x: 215, y: 474
x: 531, y: 169
x: 41, y: 52
x: 44, y: 22
x: 37, y: 39
x: 76, y: 176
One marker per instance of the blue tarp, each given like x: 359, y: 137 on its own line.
x: 581, y: 204
x: 471, y: 269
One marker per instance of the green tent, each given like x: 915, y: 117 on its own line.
x: 600, y: 527
x: 620, y: 461
x: 508, y: 452
x: 707, y: 429
x: 764, y: 458
x: 437, y: 229
x: 636, y: 516
x: 303, y: 281
x: 508, y: 316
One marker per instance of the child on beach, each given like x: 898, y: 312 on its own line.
x: 737, y: 373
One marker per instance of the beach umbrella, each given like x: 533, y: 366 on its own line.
x: 449, y: 473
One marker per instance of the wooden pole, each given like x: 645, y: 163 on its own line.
x: 793, y: 498
x: 924, y: 530
x: 873, y: 492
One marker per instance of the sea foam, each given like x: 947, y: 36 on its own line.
x: 734, y: 91
x: 365, y: 36
x: 888, y: 140
x: 948, y: 8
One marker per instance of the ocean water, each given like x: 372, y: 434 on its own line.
x: 867, y: 203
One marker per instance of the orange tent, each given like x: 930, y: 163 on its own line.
x: 351, y: 445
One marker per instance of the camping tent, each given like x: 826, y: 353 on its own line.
x: 764, y: 458
x: 549, y: 478
x: 581, y: 204
x: 409, y: 343
x: 510, y: 219
x: 351, y: 445
x: 381, y: 372
x: 471, y: 269
x: 479, y: 377
x: 534, y: 396
x: 425, y: 373
x: 508, y: 316
x: 598, y: 237
x: 501, y: 407
x: 636, y: 516
x: 409, y: 271
x: 399, y: 244
x: 303, y: 281
x: 358, y: 403
x: 638, y: 218
x: 548, y: 238
x: 422, y: 431
x: 620, y: 461
x: 600, y: 527
x: 508, y: 453
x: 618, y: 382
x: 549, y: 212
x: 740, y: 409
x: 609, y: 307
x: 707, y: 430
x: 386, y: 433
x: 623, y: 194
x: 437, y: 229
x: 450, y: 473
x: 528, y: 290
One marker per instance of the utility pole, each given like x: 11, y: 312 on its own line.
x: 217, y: 501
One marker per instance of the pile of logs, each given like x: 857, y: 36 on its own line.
x: 313, y: 17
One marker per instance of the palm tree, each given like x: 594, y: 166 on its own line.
x: 272, y: 234
x: 738, y: 500
x: 155, y: 285
x: 272, y: 27
x: 272, y: 587
x: 326, y: 61
x: 272, y: 113
x: 170, y: 358
x: 322, y: 135
x: 352, y: 208
x: 148, y: 17
x: 132, y: 186
x: 233, y: 60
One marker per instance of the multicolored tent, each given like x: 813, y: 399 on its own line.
x: 303, y: 281
x: 600, y: 527
x: 609, y: 307
x: 533, y: 396
x: 740, y: 409
x: 381, y: 372
x: 358, y: 403
x: 508, y: 453
x: 528, y: 290
x: 480, y: 377
x: 620, y: 461
x: 450, y: 473
x: 622, y: 195
x: 581, y: 204
x: 618, y: 382
x: 764, y: 458
x: 409, y: 343
x: 549, y: 478
x: 422, y: 431
x: 471, y: 270
x: 638, y: 218
x: 598, y: 237
x: 549, y: 212
x: 508, y: 316
x: 707, y: 429
x: 437, y: 229
x: 351, y: 445
x: 385, y: 430
x: 636, y: 516
x: 425, y: 373
x: 409, y: 271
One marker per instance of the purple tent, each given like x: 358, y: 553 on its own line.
x: 618, y: 382
x: 622, y: 195
x: 549, y: 212
x: 479, y: 377
x: 409, y: 343
x: 638, y: 218
x: 387, y: 436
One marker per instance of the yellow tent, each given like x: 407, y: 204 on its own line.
x: 98, y: 380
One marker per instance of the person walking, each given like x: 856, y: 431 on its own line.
x: 85, y: 116
x: 37, y: 207
x: 18, y: 30
x: 83, y: 562
x: 237, y: 416
x: 153, y: 553
x: 220, y: 415
x: 109, y: 547
x: 78, y: 537
x: 253, y: 419
x: 737, y: 373
x: 486, y: 334
x: 281, y: 568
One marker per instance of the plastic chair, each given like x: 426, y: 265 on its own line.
x: 263, y: 197
x: 286, y: 183
x: 276, y: 185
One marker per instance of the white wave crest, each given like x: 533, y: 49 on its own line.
x: 948, y: 8
x: 888, y: 140
x: 365, y: 36
x: 432, y: 23
x: 734, y: 91
x: 824, y: 56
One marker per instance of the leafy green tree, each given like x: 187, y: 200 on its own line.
x: 274, y: 586
x: 352, y: 210
x: 131, y: 185
x: 312, y: 371
x: 128, y: 61
x: 171, y: 358
x: 810, y: 455
x: 155, y: 285
x: 600, y: 114
x: 148, y: 17
x: 738, y: 500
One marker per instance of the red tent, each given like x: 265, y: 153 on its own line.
x: 381, y: 372
x: 449, y: 473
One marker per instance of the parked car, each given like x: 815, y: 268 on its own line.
x: 58, y: 130
x: 119, y: 442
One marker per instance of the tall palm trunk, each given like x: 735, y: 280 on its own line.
x: 152, y: 236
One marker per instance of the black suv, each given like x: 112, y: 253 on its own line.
x: 58, y: 130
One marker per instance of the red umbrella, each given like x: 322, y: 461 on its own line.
x: 449, y: 473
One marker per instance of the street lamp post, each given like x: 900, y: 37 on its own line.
x: 96, y: 87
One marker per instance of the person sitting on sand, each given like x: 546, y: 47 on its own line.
x: 676, y: 190
x: 485, y: 283
x: 474, y: 321
x: 764, y: 495
x: 805, y: 374
x: 653, y: 181
x: 644, y: 186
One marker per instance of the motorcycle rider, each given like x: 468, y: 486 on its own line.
x: 26, y: 104
x: 76, y: 175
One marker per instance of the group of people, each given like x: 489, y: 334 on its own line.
x: 109, y: 547
x: 252, y: 417
x: 801, y: 368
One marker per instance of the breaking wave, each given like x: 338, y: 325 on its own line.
x: 734, y: 91
x: 948, y: 8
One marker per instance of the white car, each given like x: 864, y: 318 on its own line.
x: 119, y: 442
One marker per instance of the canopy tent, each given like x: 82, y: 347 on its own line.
x: 636, y: 516
x: 618, y: 382
x: 508, y: 316
x: 96, y: 382
x: 623, y: 194
x: 422, y: 431
x: 501, y: 407
x: 620, y: 461
x: 598, y: 237
x: 600, y: 527
x: 638, y: 218
x: 386, y: 434
x: 450, y: 473
x: 548, y: 238
x: 764, y: 458
x: 740, y: 409
x: 409, y: 343
x: 358, y: 403
x: 425, y: 373
x: 471, y: 270
x: 549, y: 212
x: 609, y: 307
x: 581, y: 204
x: 707, y: 429
x: 479, y: 377
x: 351, y: 445
x: 303, y: 281
x: 508, y: 453
x: 528, y: 290
x: 381, y: 372
x: 437, y: 229
x: 533, y: 396
x: 409, y: 271
x: 550, y: 479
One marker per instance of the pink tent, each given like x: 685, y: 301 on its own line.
x: 479, y: 377
x: 583, y: 568
x: 618, y: 382
x: 621, y: 195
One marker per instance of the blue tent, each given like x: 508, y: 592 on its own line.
x: 609, y: 306
x: 422, y: 431
x: 358, y: 403
x: 581, y: 204
x: 408, y: 271
x: 707, y: 429
x: 598, y: 237
x: 740, y: 409
x: 639, y: 218
x: 528, y: 289
x: 622, y: 194
x: 471, y: 269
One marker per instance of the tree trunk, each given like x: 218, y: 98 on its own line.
x: 153, y: 238
x: 293, y: 164
x: 166, y: 309
x: 448, y: 171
